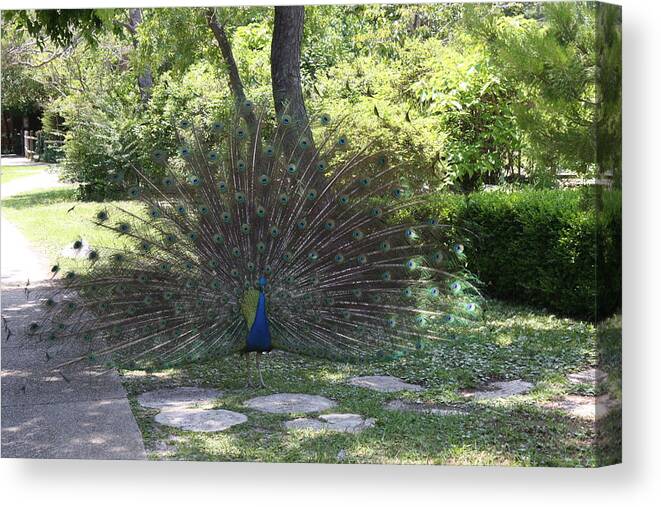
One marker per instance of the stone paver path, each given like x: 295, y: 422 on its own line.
x: 344, y: 423
x: 500, y: 389
x: 584, y: 407
x: 290, y: 403
x: 43, y: 416
x: 198, y: 419
x: 384, y: 383
x: 589, y: 376
x: 179, y: 397
x: 426, y: 408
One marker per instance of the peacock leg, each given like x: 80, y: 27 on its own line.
x: 248, y: 379
x: 259, y: 371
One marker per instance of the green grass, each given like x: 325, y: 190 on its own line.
x: 11, y: 173
x: 52, y: 220
x: 512, y: 342
x: 508, y: 342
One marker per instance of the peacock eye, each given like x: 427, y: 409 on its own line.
x: 286, y: 119
x: 304, y: 143
x: 322, y: 166
x: 264, y: 179
x: 184, y: 124
x: 324, y: 119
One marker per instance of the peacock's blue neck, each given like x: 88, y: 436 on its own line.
x: 259, y: 337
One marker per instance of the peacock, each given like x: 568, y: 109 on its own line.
x: 251, y: 237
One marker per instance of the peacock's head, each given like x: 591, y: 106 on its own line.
x: 262, y: 281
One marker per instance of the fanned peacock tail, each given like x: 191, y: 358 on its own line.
x: 344, y: 277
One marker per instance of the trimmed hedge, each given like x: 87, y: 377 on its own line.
x: 539, y: 247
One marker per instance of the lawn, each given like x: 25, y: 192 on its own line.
x: 508, y: 342
x: 11, y: 173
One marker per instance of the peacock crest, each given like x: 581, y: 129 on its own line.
x: 243, y: 232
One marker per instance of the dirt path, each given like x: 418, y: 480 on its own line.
x: 44, y: 416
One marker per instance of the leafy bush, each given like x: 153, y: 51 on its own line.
x: 539, y: 247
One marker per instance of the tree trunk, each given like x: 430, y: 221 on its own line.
x: 286, y: 76
x: 145, y: 80
x: 236, y: 85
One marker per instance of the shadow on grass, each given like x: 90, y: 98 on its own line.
x: 39, y: 198
x: 516, y: 432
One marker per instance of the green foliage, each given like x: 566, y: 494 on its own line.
x: 549, y: 54
x: 539, y: 246
x: 460, y: 96
x: 62, y: 26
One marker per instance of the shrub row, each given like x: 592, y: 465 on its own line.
x: 547, y: 248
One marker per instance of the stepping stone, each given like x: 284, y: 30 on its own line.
x: 344, y: 423
x: 426, y: 408
x: 584, y: 407
x: 384, y: 384
x: 290, y: 403
x: 179, y: 397
x: 589, y: 376
x: 501, y: 389
x: 198, y: 419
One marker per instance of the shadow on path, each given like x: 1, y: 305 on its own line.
x: 43, y: 415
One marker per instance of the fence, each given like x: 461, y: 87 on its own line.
x: 40, y: 146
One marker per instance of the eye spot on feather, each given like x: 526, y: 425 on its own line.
x: 264, y: 179
x: 325, y: 119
